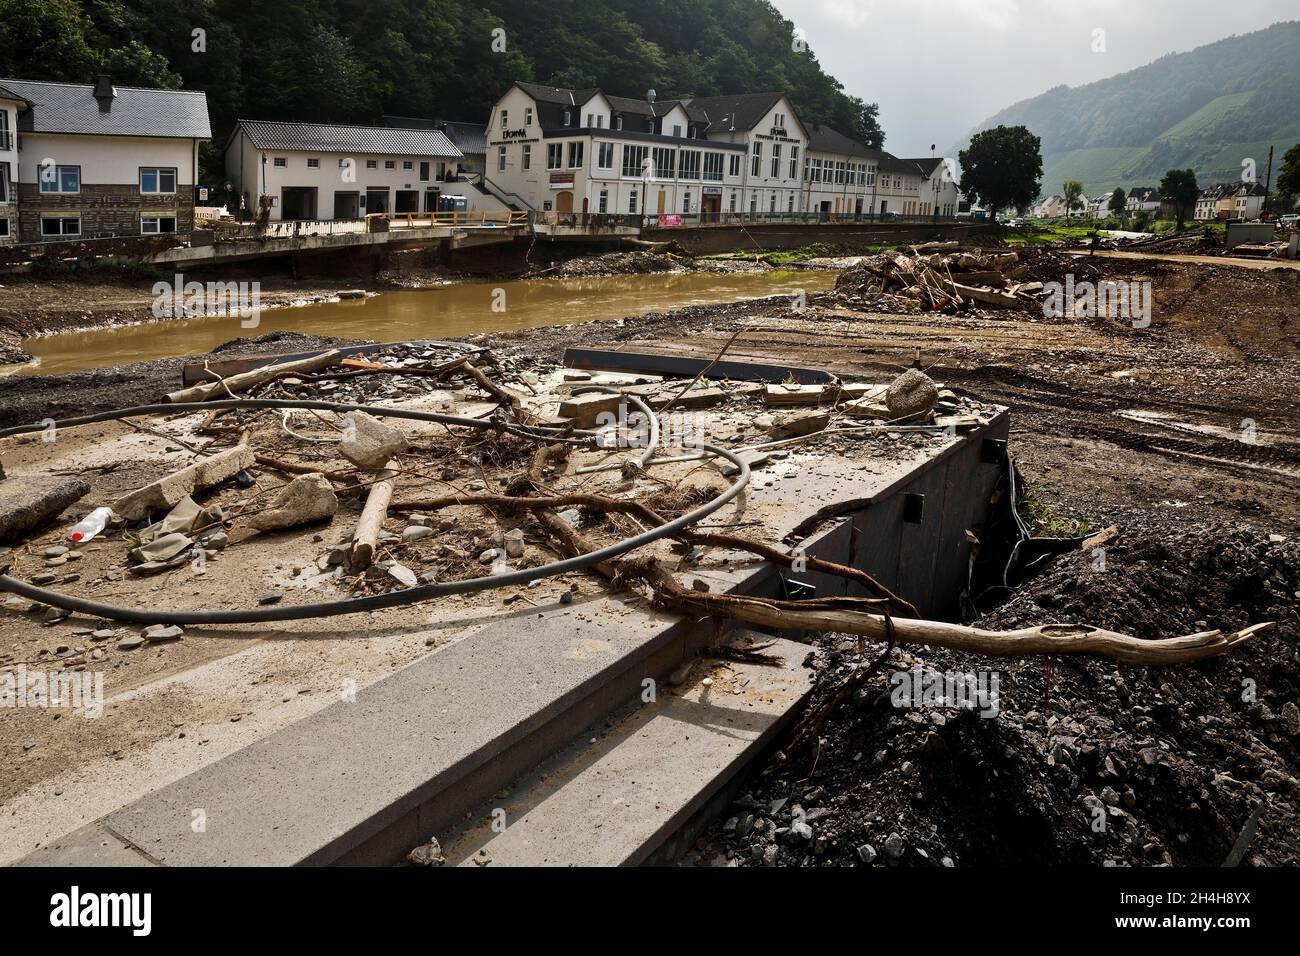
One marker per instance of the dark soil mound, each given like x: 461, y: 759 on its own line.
x: 1086, y: 762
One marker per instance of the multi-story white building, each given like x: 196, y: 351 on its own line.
x: 558, y: 151
x: 774, y: 141
x: 839, y: 174
x: 938, y: 194
x: 898, y: 187
x: 11, y: 104
x: 320, y: 171
x: 100, y: 161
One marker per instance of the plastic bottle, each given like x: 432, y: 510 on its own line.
x: 89, y: 526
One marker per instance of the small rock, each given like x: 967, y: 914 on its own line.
x: 867, y: 853
x: 514, y: 543
x: 415, y: 533
x: 130, y: 643
x: 157, y: 633
x: 894, y: 846
x: 427, y: 854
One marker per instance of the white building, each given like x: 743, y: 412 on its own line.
x: 557, y: 151
x: 320, y: 171
x: 898, y: 187
x: 11, y: 104
x: 774, y: 141
x: 938, y: 192
x: 839, y: 174
x: 99, y: 161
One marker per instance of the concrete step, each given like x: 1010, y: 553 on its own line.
x: 617, y: 798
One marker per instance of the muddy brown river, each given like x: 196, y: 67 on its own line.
x: 450, y: 311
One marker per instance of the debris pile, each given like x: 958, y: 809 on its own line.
x: 950, y: 281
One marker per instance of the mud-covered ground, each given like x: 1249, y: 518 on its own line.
x: 1185, y: 434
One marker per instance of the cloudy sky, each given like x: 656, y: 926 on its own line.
x: 939, y: 67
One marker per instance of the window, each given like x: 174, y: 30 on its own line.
x: 807, y: 170
x: 424, y: 172
x: 618, y: 122
x: 776, y: 160
x: 4, y: 138
x: 160, y: 180
x: 677, y: 131
x: 4, y: 184
x: 778, y: 120
x: 790, y: 204
x: 733, y: 168
x: 773, y: 207
x: 501, y: 159
x: 60, y: 225
x: 602, y: 205
x: 757, y: 163
x: 344, y: 163
x: 373, y: 163
x: 60, y: 179
x: 605, y: 155
x: 157, y: 225
x: 390, y: 164
x: 505, y: 119
x: 4, y: 227
x: 528, y: 116
x: 631, y: 201
x: 634, y: 158
x: 313, y: 163
x: 576, y: 157
x: 839, y: 173
x: 568, y: 117
x: 871, y: 176
x: 281, y: 162
x: 690, y: 164
x: 686, y: 203
x: 794, y: 162
x: 554, y: 155
x: 733, y: 200
x: 666, y: 162
x: 713, y: 167
x: 407, y: 164
x: 528, y: 157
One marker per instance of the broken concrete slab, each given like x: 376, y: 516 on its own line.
x: 368, y: 443
x: 585, y: 410
x: 798, y: 424
x: 165, y: 493
x: 28, y: 502
x: 306, y: 499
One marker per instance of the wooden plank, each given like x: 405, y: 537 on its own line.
x: 681, y: 366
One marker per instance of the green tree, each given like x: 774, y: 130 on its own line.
x: 1073, y: 190
x: 1179, y: 187
x: 1288, y: 178
x: 1002, y: 168
x: 1118, y: 199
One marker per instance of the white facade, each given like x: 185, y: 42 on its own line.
x: 308, y: 173
x: 612, y: 164
x: 938, y: 192
x: 772, y: 180
x: 8, y: 168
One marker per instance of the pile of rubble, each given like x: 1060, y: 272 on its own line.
x: 647, y: 262
x: 949, y: 280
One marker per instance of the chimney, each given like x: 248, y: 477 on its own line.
x: 650, y: 95
x: 104, y: 92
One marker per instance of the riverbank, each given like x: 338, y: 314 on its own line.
x: 34, y: 307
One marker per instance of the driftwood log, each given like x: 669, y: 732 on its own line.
x: 366, y: 540
x: 842, y: 615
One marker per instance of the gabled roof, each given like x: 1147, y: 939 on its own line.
x: 7, y: 94
x: 1144, y: 193
x: 325, y: 138
x: 740, y: 111
x: 927, y: 164
x: 467, y: 137
x: 889, y: 163
x: 823, y: 139
x: 136, y: 111
x: 556, y: 94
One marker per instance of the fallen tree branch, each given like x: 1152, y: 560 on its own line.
x: 246, y: 380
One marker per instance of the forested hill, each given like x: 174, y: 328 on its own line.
x: 353, y: 60
x: 1209, y: 109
